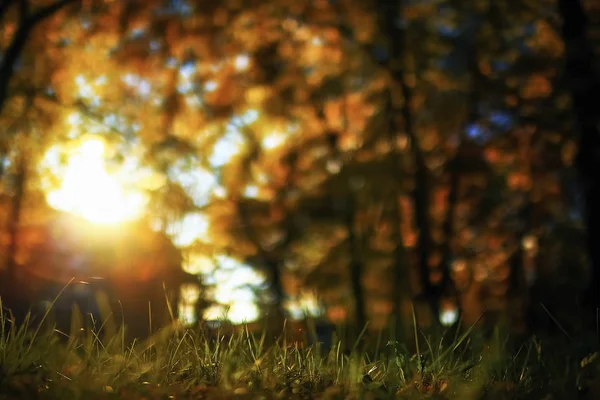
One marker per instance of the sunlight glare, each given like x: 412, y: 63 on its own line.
x: 235, y: 296
x: 237, y: 313
x: 305, y: 304
x: 215, y: 312
x: 251, y: 191
x: 187, y: 313
x: 190, y: 228
x: 211, y: 86
x: 74, y: 119
x: 242, y: 62
x: 273, y: 140
x: 220, y: 192
x: 190, y: 293
x: 89, y: 191
x: 197, y: 182
x: 197, y: 263
x: 243, y: 312
x: 249, y: 116
x: 232, y: 282
x: 227, y: 147
x: 227, y: 262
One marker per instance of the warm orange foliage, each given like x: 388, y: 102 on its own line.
x: 325, y: 143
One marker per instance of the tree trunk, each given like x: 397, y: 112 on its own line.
x: 15, y: 218
x: 389, y: 13
x: 401, y: 272
x: 356, y: 265
x: 274, y: 273
x: 517, y: 286
x: 271, y: 261
x: 458, y: 163
x: 585, y: 89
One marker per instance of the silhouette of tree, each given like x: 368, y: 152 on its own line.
x: 585, y: 86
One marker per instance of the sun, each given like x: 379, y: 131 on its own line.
x: 88, y: 190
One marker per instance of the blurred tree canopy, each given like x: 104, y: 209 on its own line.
x: 375, y: 152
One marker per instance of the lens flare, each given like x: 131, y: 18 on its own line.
x: 88, y: 190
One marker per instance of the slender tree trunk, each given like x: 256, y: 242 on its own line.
x: 389, y: 13
x: 273, y: 259
x: 274, y: 272
x: 517, y: 289
x: 585, y: 91
x: 456, y: 166
x: 401, y: 274
x: 356, y: 264
x: 7, y: 288
x: 448, y: 225
x: 15, y: 218
x: 271, y: 262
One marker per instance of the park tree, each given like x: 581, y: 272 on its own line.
x: 25, y: 67
x: 328, y: 145
x: 496, y: 68
x: 41, y: 109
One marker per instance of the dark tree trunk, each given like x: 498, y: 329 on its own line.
x: 401, y: 272
x: 517, y: 286
x: 274, y: 272
x: 27, y: 22
x: 448, y: 225
x: 15, y: 218
x: 389, y: 14
x: 356, y: 264
x: 459, y: 163
x: 585, y: 91
x: 270, y: 260
x: 273, y: 259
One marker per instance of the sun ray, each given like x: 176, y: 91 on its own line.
x: 88, y: 190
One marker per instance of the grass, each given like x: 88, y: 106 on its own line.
x: 37, y: 361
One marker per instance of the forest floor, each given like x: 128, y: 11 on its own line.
x: 37, y: 362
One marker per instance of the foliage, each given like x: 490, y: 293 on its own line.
x: 384, y: 151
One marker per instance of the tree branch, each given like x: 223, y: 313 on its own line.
x: 49, y: 10
x: 19, y: 40
x: 23, y: 12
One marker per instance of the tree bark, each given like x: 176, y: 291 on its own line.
x: 585, y: 89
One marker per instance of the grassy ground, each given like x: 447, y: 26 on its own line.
x: 177, y: 363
